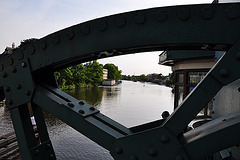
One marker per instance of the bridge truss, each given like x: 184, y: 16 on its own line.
x: 27, y: 76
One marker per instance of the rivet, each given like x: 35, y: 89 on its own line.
x: 7, y: 89
x: 10, y: 102
x: 81, y: 111
x: 30, y: 50
x: 183, y: 14
x: 28, y: 92
x: 92, y: 108
x: 164, y: 139
x: 43, y: 45
x: 152, y: 151
x: 238, y: 56
x: 51, y: 157
x: 102, y: 26
x: 10, y: 61
x: 48, y: 146
x: 85, y: 29
x: 4, y: 75
x: 71, y: 105
x: 232, y: 12
x: 56, y: 40
x: 81, y: 102
x: 179, y: 158
x: 18, y: 86
x: 165, y: 114
x: 140, y: 18
x: 118, y: 150
x: 70, y: 34
x: 120, y: 21
x: 161, y: 16
x: 36, y: 152
x: 224, y: 72
x: 14, y: 70
x: 207, y: 13
x: 20, y: 55
x: 133, y: 157
x: 1, y: 67
x: 24, y: 64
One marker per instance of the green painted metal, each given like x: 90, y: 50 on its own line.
x: 27, y: 76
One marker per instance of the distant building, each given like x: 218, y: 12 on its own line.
x: 189, y: 68
x: 105, y: 74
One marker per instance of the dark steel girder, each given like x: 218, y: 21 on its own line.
x: 27, y: 76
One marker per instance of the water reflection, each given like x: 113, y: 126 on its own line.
x: 130, y: 103
x: 92, y: 95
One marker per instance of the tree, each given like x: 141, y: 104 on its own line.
x: 94, y: 72
x: 80, y: 75
x: 113, y: 72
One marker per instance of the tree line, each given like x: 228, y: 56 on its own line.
x: 85, y: 75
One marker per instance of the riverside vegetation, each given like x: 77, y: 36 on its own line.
x: 85, y: 75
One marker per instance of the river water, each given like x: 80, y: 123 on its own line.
x: 129, y: 103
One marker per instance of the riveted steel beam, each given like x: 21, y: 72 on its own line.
x: 193, y: 27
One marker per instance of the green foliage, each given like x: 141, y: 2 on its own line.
x: 90, y: 74
x: 113, y: 72
x: 143, y: 78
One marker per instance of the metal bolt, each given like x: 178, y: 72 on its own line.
x: 224, y: 72
x: 30, y: 49
x: 14, y: 70
x: 120, y: 21
x: 183, y: 14
x: 140, y: 18
x: 232, y: 12
x: 8, y: 89
x: 51, y: 157
x: 71, y: 105
x: 81, y: 102
x: 70, y: 34
x: 161, y: 16
x: 164, y: 139
x: 18, y: 86
x: 165, y: 114
x: 118, y: 150
x: 56, y: 40
x: 103, y: 26
x: 81, y: 111
x: 20, y: 56
x: 28, y: 92
x: 43, y: 45
x: 92, y: 108
x: 152, y: 151
x: 207, y: 13
x: 4, y: 75
x: 85, y: 29
x: 24, y: 64
x: 48, y: 146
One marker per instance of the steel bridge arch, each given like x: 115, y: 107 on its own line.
x: 27, y: 76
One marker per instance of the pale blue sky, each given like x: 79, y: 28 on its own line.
x: 24, y: 19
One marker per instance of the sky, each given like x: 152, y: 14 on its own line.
x: 24, y: 19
